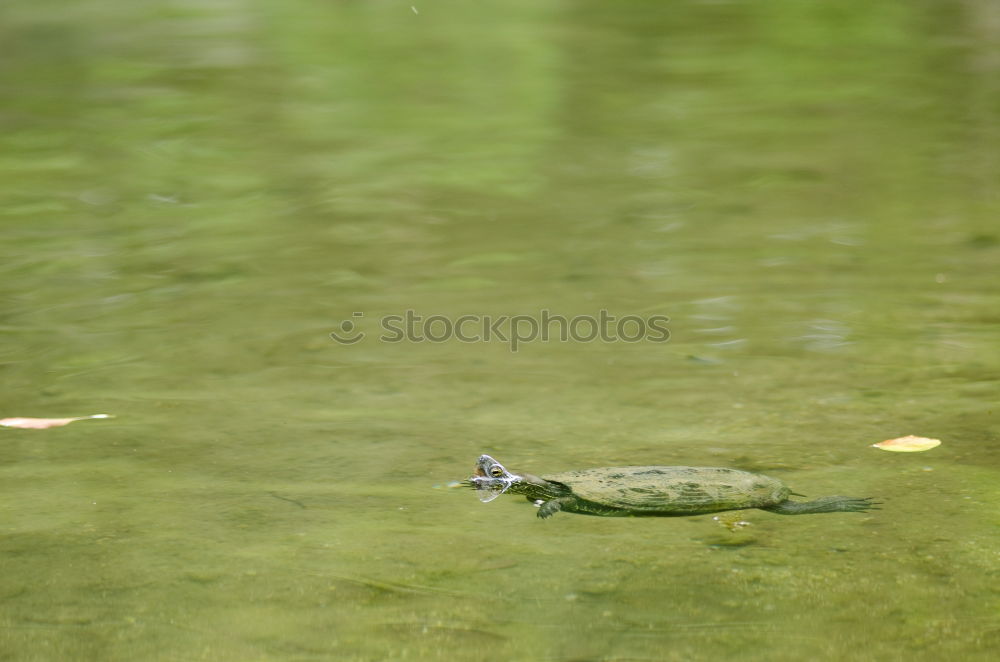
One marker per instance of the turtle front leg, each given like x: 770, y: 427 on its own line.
x: 553, y: 506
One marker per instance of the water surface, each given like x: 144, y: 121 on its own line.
x: 197, y: 193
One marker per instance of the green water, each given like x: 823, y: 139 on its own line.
x: 195, y: 193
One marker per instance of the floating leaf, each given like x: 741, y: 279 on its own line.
x: 43, y: 423
x: 908, y: 444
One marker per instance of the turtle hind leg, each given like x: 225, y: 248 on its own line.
x: 830, y: 504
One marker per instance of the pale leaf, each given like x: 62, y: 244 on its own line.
x: 908, y: 444
x: 43, y: 423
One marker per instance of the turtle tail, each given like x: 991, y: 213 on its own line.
x: 830, y: 504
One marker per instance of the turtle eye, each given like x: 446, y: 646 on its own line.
x: 496, y: 471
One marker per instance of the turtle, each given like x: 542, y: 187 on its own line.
x: 652, y: 491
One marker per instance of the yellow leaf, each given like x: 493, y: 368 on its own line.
x: 908, y: 444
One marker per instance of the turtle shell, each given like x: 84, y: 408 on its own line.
x: 673, y: 489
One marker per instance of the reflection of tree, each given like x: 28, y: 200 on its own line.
x: 984, y: 22
x: 786, y: 108
x: 383, y: 102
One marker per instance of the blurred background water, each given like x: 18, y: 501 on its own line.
x: 196, y: 193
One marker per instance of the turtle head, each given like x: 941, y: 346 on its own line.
x: 491, y: 479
